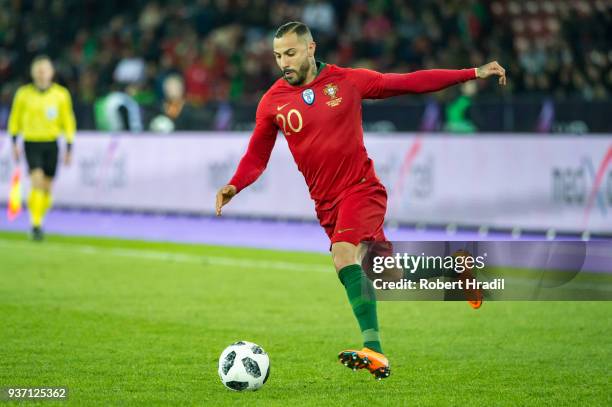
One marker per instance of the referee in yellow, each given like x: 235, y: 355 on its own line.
x: 41, y: 112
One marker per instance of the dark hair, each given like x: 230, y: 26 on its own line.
x: 292, y: 27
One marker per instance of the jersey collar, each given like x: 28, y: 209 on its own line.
x: 39, y: 90
x: 320, y: 68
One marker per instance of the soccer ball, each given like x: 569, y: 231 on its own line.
x: 244, y: 366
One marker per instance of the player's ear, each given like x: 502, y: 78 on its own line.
x: 311, y: 48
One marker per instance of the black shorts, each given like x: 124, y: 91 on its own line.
x: 43, y: 155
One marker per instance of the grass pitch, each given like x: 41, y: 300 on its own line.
x: 138, y: 323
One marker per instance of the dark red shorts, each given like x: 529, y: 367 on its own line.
x: 358, y: 216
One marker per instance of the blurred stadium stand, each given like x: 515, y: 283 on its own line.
x: 558, y: 54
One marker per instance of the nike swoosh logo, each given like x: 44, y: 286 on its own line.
x: 345, y: 230
x: 279, y: 108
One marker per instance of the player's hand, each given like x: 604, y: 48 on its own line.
x: 16, y: 153
x: 492, y: 69
x: 224, y: 195
x: 67, y: 158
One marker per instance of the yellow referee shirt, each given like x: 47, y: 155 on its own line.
x: 42, y: 115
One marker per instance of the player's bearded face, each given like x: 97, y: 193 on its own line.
x: 297, y: 77
x: 291, y: 53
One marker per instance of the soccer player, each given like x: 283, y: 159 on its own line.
x: 41, y: 112
x: 317, y: 106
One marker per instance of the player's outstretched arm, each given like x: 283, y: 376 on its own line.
x: 224, y: 195
x: 376, y: 85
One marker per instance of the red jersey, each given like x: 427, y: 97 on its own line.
x: 321, y: 122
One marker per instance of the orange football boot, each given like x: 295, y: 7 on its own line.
x: 375, y: 362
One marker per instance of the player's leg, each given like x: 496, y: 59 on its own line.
x: 36, y: 202
x: 34, y: 158
x: 48, y: 196
x: 360, y: 217
x: 359, y: 290
x: 42, y: 162
x: 50, y: 160
x: 362, y: 298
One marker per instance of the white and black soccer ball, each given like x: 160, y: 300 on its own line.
x: 244, y: 366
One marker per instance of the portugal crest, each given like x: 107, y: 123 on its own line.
x: 331, y: 91
x: 309, y: 96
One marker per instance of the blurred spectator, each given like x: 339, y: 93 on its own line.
x: 175, y: 113
x: 5, y: 103
x: 118, y: 112
x: 130, y: 69
x: 320, y: 17
x: 175, y: 107
x: 197, y: 79
x: 457, y: 117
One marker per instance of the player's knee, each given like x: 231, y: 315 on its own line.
x: 37, y: 178
x: 46, y: 184
x: 344, y: 254
x: 341, y: 261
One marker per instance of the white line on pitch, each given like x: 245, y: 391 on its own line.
x: 159, y: 255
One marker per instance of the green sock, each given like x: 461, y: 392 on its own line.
x: 362, y: 297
